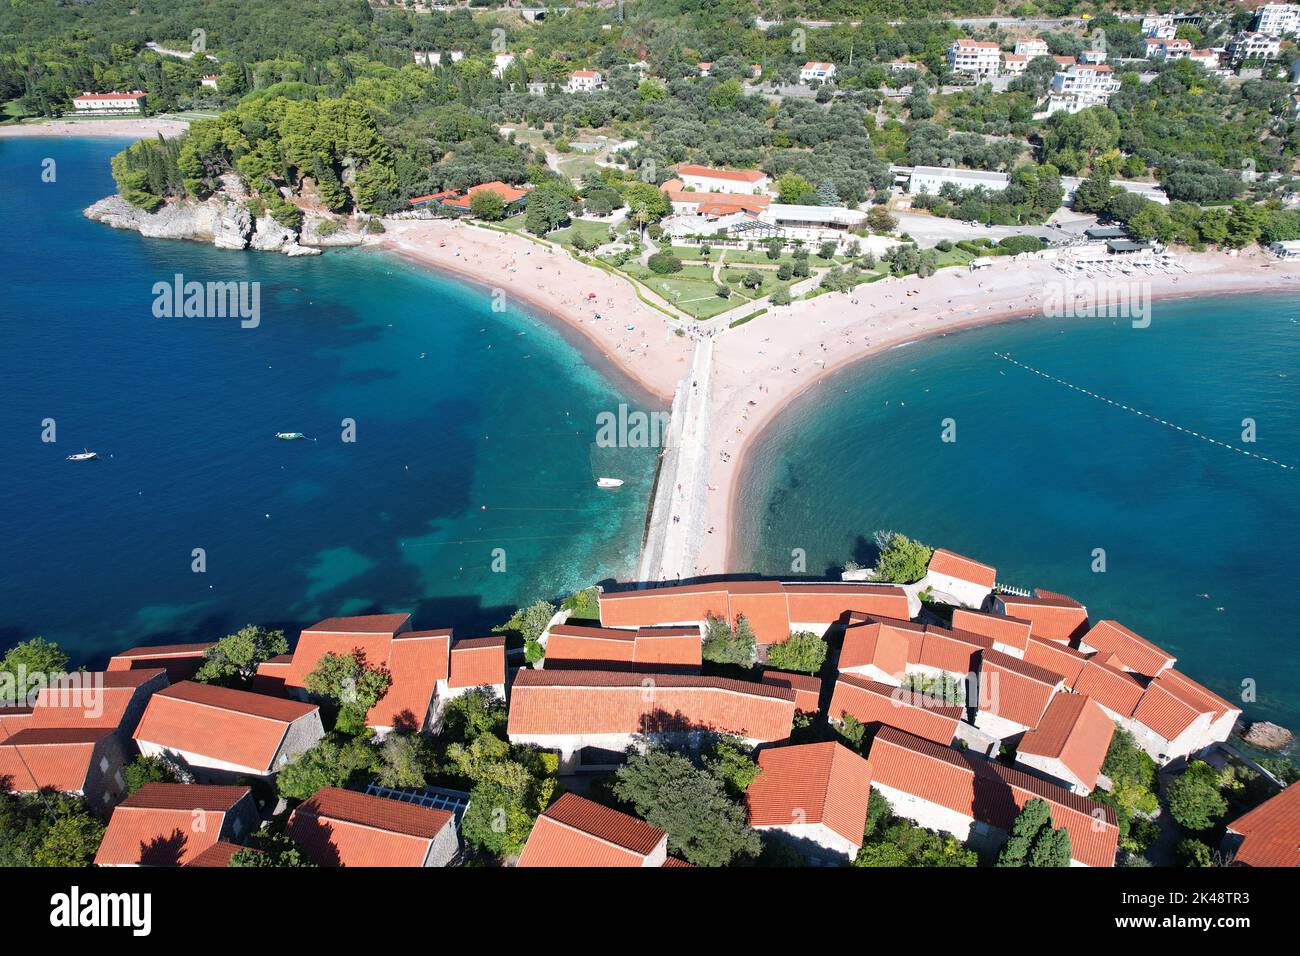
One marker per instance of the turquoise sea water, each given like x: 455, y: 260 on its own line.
x: 1041, y: 475
x: 485, y: 442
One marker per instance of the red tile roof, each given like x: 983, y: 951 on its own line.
x: 216, y: 856
x: 94, y: 698
x: 219, y: 723
x: 807, y: 688
x: 677, y: 647
x: 574, y: 831
x: 1052, y: 616
x: 1271, y: 832
x: 1057, y: 658
x: 1163, y: 712
x: 167, y: 824
x: 1005, y: 630
x: 735, y: 175
x: 1134, y: 651
x: 811, y: 783
x: 345, y: 828
x: 56, y: 757
x: 575, y: 702
x: 816, y: 603
x: 957, y: 566
x: 478, y: 661
x: 415, y: 660
x: 1109, y: 686
x: 952, y: 651
x: 874, y: 703
x: 675, y: 192
x: 876, y: 643
x: 1194, y: 694
x: 1014, y: 689
x: 989, y: 791
x: 181, y: 661
x: 1075, y: 731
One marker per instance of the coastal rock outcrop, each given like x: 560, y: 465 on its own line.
x: 329, y: 233
x: 218, y: 220
x: 1267, y: 736
x: 270, y: 236
x: 224, y: 224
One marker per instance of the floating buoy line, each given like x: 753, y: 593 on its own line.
x: 1139, y: 412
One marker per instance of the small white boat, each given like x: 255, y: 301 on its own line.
x: 289, y: 436
x: 609, y: 482
x: 87, y: 455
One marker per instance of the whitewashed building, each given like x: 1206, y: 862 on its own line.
x: 813, y: 70
x: 1253, y: 46
x: 132, y: 102
x: 930, y: 179
x: 502, y: 62
x: 1278, y: 19
x: 1160, y: 27
x: 1032, y: 48
x: 975, y: 57
x: 584, y: 81
x: 1081, y: 86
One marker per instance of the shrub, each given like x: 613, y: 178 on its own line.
x: 665, y: 263
x: 804, y: 652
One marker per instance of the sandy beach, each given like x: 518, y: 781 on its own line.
x: 758, y: 368
x: 634, y: 340
x: 764, y: 365
x: 124, y: 128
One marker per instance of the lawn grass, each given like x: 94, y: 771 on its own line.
x: 595, y: 232
x: 692, y: 290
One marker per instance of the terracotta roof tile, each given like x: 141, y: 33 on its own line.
x: 1271, y: 832
x: 216, y: 856
x: 811, y: 783
x: 478, y: 661
x: 55, y: 757
x: 874, y: 703
x: 344, y: 828
x: 1055, y: 657
x: 989, y: 791
x: 1051, y: 616
x: 1134, y: 651
x: 1074, y: 730
x: 954, y: 565
x: 575, y: 831
x: 1005, y: 630
x: 234, y: 726
x: 572, y: 701
x: 1112, y: 688
x: 1014, y: 689
x: 807, y: 688
x: 167, y: 824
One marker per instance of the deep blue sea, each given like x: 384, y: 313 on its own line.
x: 474, y: 432
x: 1200, y: 542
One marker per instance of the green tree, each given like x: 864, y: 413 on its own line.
x: 691, y: 805
x: 722, y: 645
x: 1194, y: 799
x: 353, y: 685
x: 732, y: 762
x: 144, y: 770
x: 795, y: 190
x: 486, y: 204
x: 804, y: 652
x: 405, y: 760
x: 527, y: 625
x: 267, y: 849
x: 879, y: 220
x: 753, y: 279
x: 334, y: 762
x: 30, y: 664
x: 1033, y: 842
x: 232, y: 661
x: 72, y: 839
x: 549, y: 207
x: 901, y: 560
x: 1193, y: 853
x: 646, y: 203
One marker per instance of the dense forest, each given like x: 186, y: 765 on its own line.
x: 326, y: 94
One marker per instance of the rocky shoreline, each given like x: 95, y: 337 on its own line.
x: 227, y: 225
